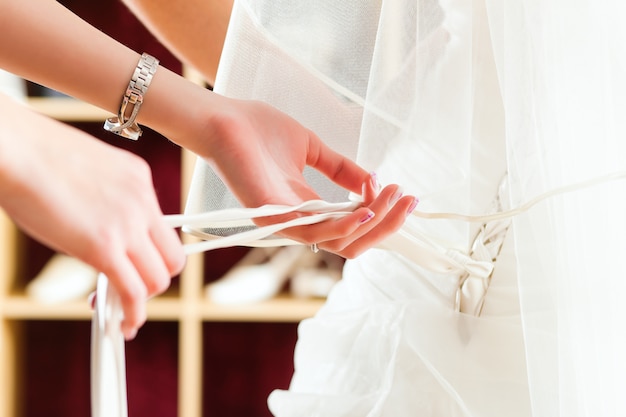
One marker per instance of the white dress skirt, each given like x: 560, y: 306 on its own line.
x: 476, y: 107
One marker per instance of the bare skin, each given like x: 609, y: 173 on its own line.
x: 95, y: 202
x: 193, y: 30
x: 44, y: 42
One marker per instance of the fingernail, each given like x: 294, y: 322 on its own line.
x: 374, y: 181
x: 368, y: 216
x: 91, y: 299
x: 130, y: 334
x: 395, y: 197
x: 413, y: 205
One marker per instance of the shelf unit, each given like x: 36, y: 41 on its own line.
x: 184, y: 305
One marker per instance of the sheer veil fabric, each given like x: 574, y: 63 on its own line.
x: 475, y: 106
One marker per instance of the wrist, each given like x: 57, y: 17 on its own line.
x: 125, y: 124
x: 12, y: 144
x: 181, y: 111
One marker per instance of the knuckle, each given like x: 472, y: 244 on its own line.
x: 135, y: 320
x: 102, y: 252
x: 141, y: 167
x: 350, y: 253
x: 344, y: 228
x: 160, y: 285
x: 134, y: 293
x: 133, y: 299
x: 303, y: 235
x: 176, y: 265
x: 395, y: 223
x: 335, y: 246
x: 173, y: 254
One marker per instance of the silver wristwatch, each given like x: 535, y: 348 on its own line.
x: 137, y: 88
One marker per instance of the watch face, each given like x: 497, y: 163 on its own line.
x: 108, y: 363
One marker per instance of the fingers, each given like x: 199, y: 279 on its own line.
x: 169, y: 246
x: 351, y: 235
x: 336, y: 167
x: 152, y: 270
x: 332, y: 229
x: 133, y: 294
x: 389, y: 224
x: 390, y: 208
x: 371, y: 189
x: 145, y: 271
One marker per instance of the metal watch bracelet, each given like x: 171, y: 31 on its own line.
x: 137, y: 88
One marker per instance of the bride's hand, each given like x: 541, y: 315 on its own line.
x: 260, y: 153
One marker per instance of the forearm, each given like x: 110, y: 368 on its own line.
x: 8, y: 140
x: 46, y: 43
x: 193, y: 30
x: 24, y: 144
x: 65, y: 194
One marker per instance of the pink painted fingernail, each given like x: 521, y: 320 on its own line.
x: 413, y: 205
x: 369, y: 216
x: 91, y: 299
x: 374, y: 181
x: 395, y: 197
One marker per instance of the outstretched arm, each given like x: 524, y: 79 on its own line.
x: 196, y: 36
x: 45, y: 42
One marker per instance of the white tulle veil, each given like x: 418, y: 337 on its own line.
x: 393, y: 79
x: 561, y: 69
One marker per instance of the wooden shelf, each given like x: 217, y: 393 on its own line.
x: 280, y: 309
x: 166, y: 308
x: 8, y: 251
x: 21, y: 307
x: 67, y: 109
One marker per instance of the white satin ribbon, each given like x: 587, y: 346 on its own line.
x: 410, y: 243
x: 108, y: 377
x: 108, y: 363
x: 242, y: 217
x: 474, y: 268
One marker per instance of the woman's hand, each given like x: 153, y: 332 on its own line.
x: 90, y: 200
x: 260, y: 153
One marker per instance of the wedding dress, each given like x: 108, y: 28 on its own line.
x: 477, y: 107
